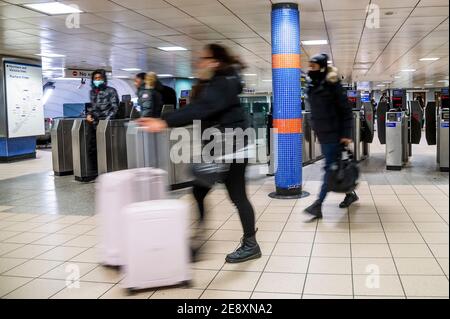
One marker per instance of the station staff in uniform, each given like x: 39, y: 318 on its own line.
x: 332, y: 120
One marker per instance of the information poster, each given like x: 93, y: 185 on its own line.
x: 23, y: 83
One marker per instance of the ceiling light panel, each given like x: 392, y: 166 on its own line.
x: 53, y: 8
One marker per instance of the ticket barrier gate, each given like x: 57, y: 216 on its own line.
x: 84, y: 151
x: 111, y: 145
x: 397, y: 140
x: 436, y: 130
x: 62, y: 157
x: 357, y: 145
x: 307, y: 139
x: 416, y: 120
x: 443, y: 140
x: 315, y: 149
x: 154, y: 150
x: 167, y: 109
x: 430, y: 123
x: 382, y: 109
x: 363, y: 132
x: 367, y: 124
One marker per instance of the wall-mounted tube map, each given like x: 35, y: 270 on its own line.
x: 25, y: 112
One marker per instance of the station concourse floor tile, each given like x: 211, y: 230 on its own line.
x: 393, y: 243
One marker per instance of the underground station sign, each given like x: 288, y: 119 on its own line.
x: 79, y: 73
x: 76, y: 73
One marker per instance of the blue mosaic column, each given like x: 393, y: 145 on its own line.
x: 287, y: 110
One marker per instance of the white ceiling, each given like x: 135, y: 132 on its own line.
x: 125, y: 33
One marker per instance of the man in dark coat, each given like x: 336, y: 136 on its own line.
x: 169, y: 96
x: 332, y: 121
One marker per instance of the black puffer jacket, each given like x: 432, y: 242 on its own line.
x: 218, y: 103
x: 331, y: 114
x: 168, y: 95
x: 104, y: 103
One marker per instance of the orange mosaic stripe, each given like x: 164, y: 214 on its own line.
x: 286, y: 61
x: 288, y: 126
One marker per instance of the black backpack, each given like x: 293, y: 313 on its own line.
x: 344, y: 173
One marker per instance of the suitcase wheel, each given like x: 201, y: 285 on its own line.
x: 131, y: 291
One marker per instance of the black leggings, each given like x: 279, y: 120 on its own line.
x: 235, y: 184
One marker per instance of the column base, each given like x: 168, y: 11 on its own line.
x: 16, y: 158
x: 281, y: 193
x: 16, y: 149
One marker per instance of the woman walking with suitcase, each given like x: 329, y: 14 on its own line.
x: 216, y: 102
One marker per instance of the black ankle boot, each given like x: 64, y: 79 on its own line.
x: 315, y: 210
x: 249, y: 250
x: 194, y: 254
x: 349, y: 199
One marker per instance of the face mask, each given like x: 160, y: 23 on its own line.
x: 98, y: 83
x: 316, y: 75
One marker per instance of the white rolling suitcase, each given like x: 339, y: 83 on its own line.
x: 156, y: 241
x: 115, y: 191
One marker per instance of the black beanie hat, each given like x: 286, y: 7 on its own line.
x: 321, y: 59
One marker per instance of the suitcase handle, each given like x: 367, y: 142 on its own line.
x: 149, y: 179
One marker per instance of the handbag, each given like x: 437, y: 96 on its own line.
x: 208, y: 174
x: 344, y: 173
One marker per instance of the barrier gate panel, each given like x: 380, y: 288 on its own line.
x: 62, y: 156
x: 369, y: 123
x: 416, y: 122
x: 430, y: 123
x: 119, y: 142
x: 381, y: 121
x: 84, y: 151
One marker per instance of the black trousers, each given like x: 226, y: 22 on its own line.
x: 235, y: 184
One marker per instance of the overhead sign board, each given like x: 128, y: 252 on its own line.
x: 363, y: 86
x: 80, y: 73
x: 75, y: 73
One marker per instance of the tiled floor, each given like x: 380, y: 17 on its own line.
x: 392, y: 244
x: 41, y: 164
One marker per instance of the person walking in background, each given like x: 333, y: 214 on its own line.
x: 168, y: 95
x: 419, y: 99
x: 384, y: 98
x: 374, y: 105
x: 216, y: 103
x: 332, y: 121
x: 149, y: 99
